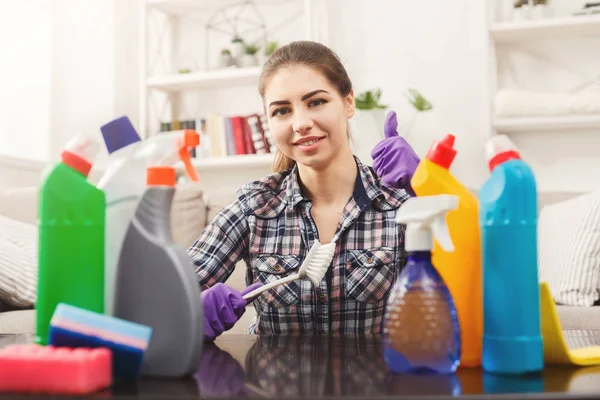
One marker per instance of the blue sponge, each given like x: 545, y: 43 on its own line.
x: 75, y: 327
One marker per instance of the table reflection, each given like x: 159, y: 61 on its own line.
x: 313, y: 366
x: 316, y: 366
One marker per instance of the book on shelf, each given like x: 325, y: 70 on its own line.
x: 222, y: 136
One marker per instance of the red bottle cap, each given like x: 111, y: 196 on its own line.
x: 76, y: 162
x: 442, y: 152
x: 161, y: 176
x: 500, y: 149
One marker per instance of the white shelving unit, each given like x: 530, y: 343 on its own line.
x: 555, y: 28
x: 174, y: 85
x: 518, y: 32
x: 241, y: 161
x: 205, y: 80
x: 557, y: 123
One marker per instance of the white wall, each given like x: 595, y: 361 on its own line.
x: 25, y: 40
x: 95, y: 67
x: 434, y: 46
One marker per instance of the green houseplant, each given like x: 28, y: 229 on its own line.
x: 237, y: 48
x: 369, y: 100
x: 249, y: 59
x: 419, y: 103
x: 270, y: 48
x: 367, y: 123
x: 226, y: 60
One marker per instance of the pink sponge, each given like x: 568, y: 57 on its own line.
x: 31, y: 368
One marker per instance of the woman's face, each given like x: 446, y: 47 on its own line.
x: 307, y: 116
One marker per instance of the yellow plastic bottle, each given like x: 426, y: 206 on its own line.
x: 460, y: 269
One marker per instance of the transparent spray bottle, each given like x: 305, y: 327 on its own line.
x: 421, y: 330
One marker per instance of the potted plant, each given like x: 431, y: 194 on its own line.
x: 270, y: 48
x: 367, y: 123
x: 237, y: 48
x: 419, y: 103
x: 541, y: 9
x: 521, y: 10
x: 226, y: 60
x: 249, y: 57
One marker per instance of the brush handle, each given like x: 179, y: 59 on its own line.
x: 271, y: 285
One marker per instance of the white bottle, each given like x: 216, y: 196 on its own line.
x: 124, y: 184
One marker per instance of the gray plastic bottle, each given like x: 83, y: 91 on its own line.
x: 156, y: 285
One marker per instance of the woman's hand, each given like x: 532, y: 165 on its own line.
x: 394, y: 159
x: 223, y: 306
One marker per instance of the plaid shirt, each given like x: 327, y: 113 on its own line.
x: 270, y: 227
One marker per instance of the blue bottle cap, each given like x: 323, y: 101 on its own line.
x: 118, y: 134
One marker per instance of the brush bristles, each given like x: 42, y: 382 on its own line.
x: 319, y: 263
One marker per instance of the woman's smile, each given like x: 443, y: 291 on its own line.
x: 309, y: 144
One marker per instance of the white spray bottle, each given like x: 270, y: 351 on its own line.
x: 421, y: 329
x: 124, y: 183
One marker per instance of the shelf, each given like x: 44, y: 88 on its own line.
x: 550, y: 28
x: 204, y: 80
x: 188, y: 7
x: 240, y: 161
x: 531, y: 124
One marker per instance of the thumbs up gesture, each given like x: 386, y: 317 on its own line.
x: 394, y: 159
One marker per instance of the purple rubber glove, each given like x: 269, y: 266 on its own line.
x: 223, y: 307
x: 394, y: 159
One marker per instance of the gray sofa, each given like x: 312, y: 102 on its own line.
x: 192, y: 210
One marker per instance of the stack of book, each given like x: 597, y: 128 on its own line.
x: 227, y: 135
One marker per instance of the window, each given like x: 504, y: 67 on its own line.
x: 25, y: 73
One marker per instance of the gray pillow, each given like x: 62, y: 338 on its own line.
x: 18, y: 262
x: 569, y: 250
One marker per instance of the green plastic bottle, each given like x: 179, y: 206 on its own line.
x: 71, y: 218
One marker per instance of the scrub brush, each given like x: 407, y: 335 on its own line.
x: 314, y: 267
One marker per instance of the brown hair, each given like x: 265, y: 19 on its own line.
x: 310, y: 54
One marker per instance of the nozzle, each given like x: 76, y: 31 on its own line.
x: 190, y: 140
x: 425, y: 218
x: 80, y: 152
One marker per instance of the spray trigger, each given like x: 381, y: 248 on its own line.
x: 190, y: 140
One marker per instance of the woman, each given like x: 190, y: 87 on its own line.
x: 319, y: 192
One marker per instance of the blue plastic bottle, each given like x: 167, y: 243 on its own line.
x: 512, y: 342
x: 421, y: 330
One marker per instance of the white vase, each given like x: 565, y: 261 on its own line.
x: 248, y: 60
x: 237, y: 50
x: 366, y: 128
x: 226, y: 60
x: 538, y: 11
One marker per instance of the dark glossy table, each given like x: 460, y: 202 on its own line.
x: 243, y: 366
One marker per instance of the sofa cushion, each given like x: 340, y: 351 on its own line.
x: 569, y: 249
x: 19, y: 203
x: 217, y: 202
x: 18, y: 262
x: 188, y: 214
